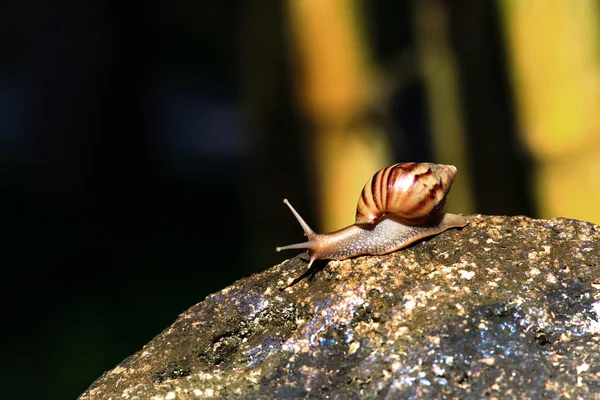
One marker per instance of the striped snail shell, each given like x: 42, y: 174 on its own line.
x: 411, y: 192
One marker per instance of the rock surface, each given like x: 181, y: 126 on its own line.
x: 507, y: 307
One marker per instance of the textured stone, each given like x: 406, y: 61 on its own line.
x: 507, y: 307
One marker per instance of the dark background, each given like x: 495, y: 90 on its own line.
x: 145, y: 151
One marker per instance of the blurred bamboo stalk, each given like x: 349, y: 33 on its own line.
x: 335, y: 85
x: 555, y: 54
x: 438, y: 66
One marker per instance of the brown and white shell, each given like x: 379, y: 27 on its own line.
x: 411, y: 192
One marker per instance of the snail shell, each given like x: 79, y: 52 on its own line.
x: 412, y: 192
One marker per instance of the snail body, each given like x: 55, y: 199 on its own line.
x: 399, y: 205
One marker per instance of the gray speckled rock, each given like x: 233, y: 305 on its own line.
x: 508, y: 307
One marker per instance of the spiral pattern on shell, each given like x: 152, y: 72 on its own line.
x: 412, y: 192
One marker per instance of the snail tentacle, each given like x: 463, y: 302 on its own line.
x: 311, y: 244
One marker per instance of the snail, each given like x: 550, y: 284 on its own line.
x: 400, y: 204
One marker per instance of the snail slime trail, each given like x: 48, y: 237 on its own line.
x: 400, y: 204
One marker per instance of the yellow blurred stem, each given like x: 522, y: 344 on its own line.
x: 438, y: 66
x: 554, y: 54
x: 346, y: 161
x: 572, y: 188
x: 334, y: 82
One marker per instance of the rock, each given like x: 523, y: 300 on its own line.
x: 505, y: 307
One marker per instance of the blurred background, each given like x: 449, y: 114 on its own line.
x: 146, y: 148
